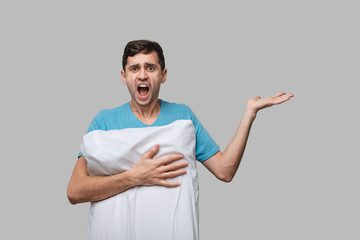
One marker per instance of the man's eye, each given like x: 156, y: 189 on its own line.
x: 150, y: 68
x: 133, y: 68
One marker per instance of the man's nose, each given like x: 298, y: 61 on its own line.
x: 142, y: 74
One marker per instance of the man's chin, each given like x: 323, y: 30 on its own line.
x: 143, y: 102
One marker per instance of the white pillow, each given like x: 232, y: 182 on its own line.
x: 144, y: 212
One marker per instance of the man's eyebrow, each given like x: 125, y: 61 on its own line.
x: 150, y: 64
x: 134, y: 65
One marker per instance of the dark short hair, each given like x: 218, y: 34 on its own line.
x: 144, y: 46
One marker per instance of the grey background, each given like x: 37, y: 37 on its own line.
x: 299, y: 179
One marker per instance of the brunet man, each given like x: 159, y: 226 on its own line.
x: 137, y: 164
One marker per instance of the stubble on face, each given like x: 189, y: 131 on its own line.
x: 143, y: 77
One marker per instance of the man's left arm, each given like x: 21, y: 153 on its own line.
x: 225, y: 164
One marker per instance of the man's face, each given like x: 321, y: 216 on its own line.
x: 143, y: 76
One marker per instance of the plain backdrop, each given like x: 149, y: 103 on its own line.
x: 299, y: 178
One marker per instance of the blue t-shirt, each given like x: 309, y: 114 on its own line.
x: 122, y: 117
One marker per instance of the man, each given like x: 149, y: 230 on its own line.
x: 138, y: 169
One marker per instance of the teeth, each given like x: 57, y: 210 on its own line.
x: 142, y: 85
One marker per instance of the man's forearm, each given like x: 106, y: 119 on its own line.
x: 85, y: 188
x: 148, y: 171
x: 231, y: 157
x: 224, y: 165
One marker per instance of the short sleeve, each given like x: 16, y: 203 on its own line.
x: 206, y: 147
x: 97, y: 123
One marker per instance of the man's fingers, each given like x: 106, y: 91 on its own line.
x: 290, y: 95
x: 152, y: 152
x: 287, y: 96
x: 173, y: 166
x: 282, y: 97
x: 169, y: 175
x: 170, y: 159
x: 279, y: 94
x: 168, y: 184
x: 174, y: 174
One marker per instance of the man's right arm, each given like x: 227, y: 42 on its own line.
x: 148, y: 171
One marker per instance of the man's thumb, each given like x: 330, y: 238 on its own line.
x: 152, y: 152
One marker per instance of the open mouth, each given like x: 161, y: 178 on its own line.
x: 143, y: 90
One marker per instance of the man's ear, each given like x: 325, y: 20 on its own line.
x: 123, y: 76
x: 164, y: 73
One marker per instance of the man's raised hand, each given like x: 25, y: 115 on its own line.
x: 258, y: 103
x: 149, y: 171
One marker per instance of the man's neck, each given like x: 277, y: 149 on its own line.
x: 146, y: 113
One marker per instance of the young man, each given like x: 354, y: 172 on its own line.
x: 137, y: 162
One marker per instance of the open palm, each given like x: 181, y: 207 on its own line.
x: 258, y: 103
